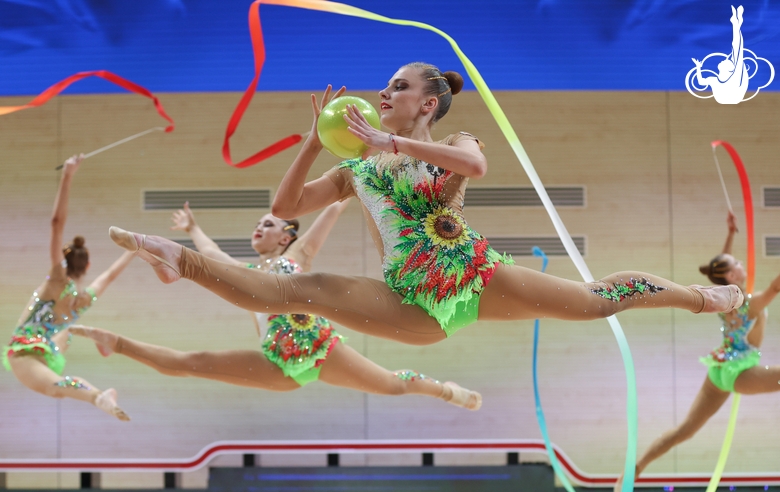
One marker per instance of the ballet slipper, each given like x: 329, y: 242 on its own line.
x: 720, y: 298
x: 164, y: 269
x: 461, y: 397
x: 106, y: 401
x: 105, y: 341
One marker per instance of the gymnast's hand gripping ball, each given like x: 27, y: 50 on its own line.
x: 333, y: 130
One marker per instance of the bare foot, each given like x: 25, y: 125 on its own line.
x: 105, y: 341
x: 462, y: 397
x: 720, y: 298
x: 163, y: 254
x: 106, y: 401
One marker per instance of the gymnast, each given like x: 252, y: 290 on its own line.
x: 734, y: 365
x: 439, y: 274
x: 297, y: 349
x: 35, y: 353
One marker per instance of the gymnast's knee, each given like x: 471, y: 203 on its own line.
x: 685, y: 432
x: 603, y: 307
x: 301, y: 287
x: 186, y: 364
x: 396, y: 387
x: 53, y: 391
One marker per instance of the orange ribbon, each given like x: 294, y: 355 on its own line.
x: 258, y: 49
x: 60, y: 86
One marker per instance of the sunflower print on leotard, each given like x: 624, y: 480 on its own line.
x: 431, y: 256
x: 297, y: 343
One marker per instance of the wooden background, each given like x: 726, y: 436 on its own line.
x: 653, y: 204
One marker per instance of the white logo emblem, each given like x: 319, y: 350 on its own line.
x: 730, y: 83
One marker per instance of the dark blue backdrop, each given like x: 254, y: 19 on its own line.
x: 203, y: 45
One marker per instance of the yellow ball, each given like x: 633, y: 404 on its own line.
x: 333, y: 130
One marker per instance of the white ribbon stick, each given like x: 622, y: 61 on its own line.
x: 120, y: 142
x: 722, y: 183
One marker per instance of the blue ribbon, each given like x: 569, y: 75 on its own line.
x: 539, y: 412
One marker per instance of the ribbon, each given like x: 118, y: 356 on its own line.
x: 726, y: 447
x: 538, y: 401
x: 747, y: 198
x: 258, y: 50
x: 264, y: 154
x: 60, y: 86
x: 509, y: 133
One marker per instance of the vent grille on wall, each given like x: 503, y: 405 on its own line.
x: 238, y: 248
x: 523, y: 196
x: 771, y: 196
x: 215, y: 199
x: 772, y: 245
x: 523, y: 246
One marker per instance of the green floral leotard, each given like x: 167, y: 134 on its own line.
x: 297, y: 343
x: 430, y: 256
x: 43, y: 319
x: 735, y: 354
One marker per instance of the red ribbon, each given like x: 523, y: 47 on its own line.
x: 60, y: 86
x: 747, y: 197
x: 258, y: 49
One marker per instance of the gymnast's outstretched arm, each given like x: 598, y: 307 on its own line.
x: 60, y: 213
x: 731, y: 221
x: 308, y: 245
x: 464, y: 157
x: 184, y: 220
x: 761, y: 300
x: 296, y: 197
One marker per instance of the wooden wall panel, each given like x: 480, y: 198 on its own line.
x: 653, y: 204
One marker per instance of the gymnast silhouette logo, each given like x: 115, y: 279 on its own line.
x: 735, y: 70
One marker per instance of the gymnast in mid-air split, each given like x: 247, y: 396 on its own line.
x: 439, y: 274
x: 36, y: 351
x: 734, y: 366
x: 297, y: 349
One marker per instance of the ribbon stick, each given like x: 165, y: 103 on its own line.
x: 538, y: 401
x: 119, y: 142
x: 747, y: 198
x: 722, y: 182
x: 60, y: 86
x: 509, y: 133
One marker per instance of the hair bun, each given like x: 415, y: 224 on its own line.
x: 455, y: 81
x: 705, y: 269
x: 78, y: 242
x: 294, y: 222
